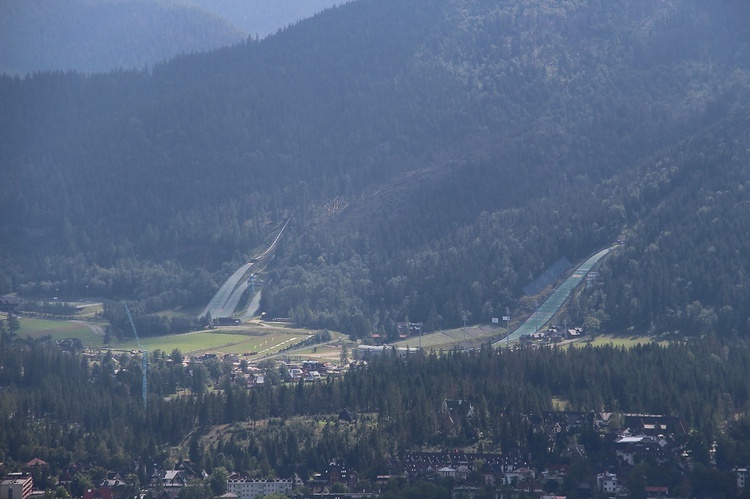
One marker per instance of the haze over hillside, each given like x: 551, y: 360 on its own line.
x: 263, y: 17
x: 105, y: 35
x: 434, y: 158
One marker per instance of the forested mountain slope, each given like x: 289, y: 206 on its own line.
x: 104, y: 35
x: 435, y: 157
x: 685, y: 265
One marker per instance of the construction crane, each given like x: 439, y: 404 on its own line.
x: 144, y: 354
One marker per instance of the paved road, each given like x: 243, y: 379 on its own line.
x: 553, y: 303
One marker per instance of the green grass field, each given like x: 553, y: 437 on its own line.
x: 262, y: 339
x: 621, y: 341
x: 472, y: 337
x: 218, y: 342
x: 267, y: 340
x: 58, y: 330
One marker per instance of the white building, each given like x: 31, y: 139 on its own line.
x: 607, y: 483
x: 16, y: 486
x: 741, y: 477
x: 247, y: 488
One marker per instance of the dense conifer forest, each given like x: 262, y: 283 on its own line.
x: 434, y: 157
x: 78, y: 410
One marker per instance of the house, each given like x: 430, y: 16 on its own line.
x: 295, y: 373
x: 458, y: 409
x: 168, y: 484
x: 338, y: 472
x: 652, y: 424
x: 657, y: 492
x: 516, y: 476
x: 111, y: 487
x: 346, y: 416
x: 574, y: 333
x: 556, y: 473
x: 574, y: 452
x: 462, y: 472
x: 629, y: 447
x: 95, y: 493
x: 602, y: 419
x: 313, y: 365
x: 65, y: 478
x: 531, y: 487
x: 190, y: 471
x: 16, y: 486
x: 9, y: 303
x: 741, y: 477
x: 607, y: 483
x: 447, y: 472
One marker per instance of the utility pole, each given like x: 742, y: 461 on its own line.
x: 506, y: 318
x: 418, y: 325
x: 144, y: 358
x: 464, y: 318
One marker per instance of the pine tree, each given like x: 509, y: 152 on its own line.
x: 13, y: 324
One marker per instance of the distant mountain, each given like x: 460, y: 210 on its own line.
x: 434, y: 156
x: 264, y: 17
x: 104, y: 35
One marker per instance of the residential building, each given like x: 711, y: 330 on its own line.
x: 251, y: 488
x: 657, y: 492
x: 16, y: 486
x: 741, y: 477
x: 607, y: 483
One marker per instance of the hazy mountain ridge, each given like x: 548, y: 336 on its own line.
x: 101, y: 36
x: 105, y: 35
x: 264, y: 17
x: 514, y: 126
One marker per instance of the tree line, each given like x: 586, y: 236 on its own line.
x: 78, y: 410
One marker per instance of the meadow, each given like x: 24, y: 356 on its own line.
x: 58, y: 330
x: 622, y: 341
x: 254, y: 339
x: 472, y: 336
x: 220, y: 341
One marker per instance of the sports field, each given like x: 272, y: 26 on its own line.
x: 220, y: 342
x: 59, y: 330
x: 256, y: 339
